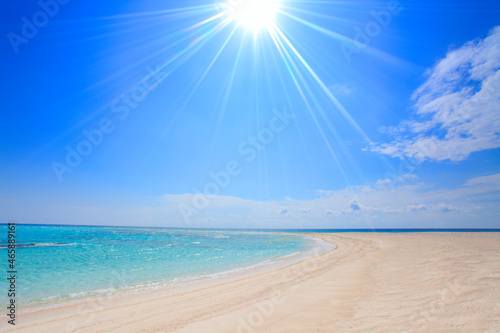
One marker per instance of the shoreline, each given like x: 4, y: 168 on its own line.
x: 319, y: 246
x: 370, y: 282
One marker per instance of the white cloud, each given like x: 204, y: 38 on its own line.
x: 457, y: 110
x: 445, y: 208
x: 418, y: 208
x: 491, y: 180
x: 473, y: 204
x: 382, y: 182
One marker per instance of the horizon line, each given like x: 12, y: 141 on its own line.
x: 267, y: 229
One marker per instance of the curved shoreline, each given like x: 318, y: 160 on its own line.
x: 192, y: 282
x: 371, y: 282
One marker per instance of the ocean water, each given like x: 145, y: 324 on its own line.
x: 66, y: 264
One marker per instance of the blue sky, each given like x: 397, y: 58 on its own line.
x: 335, y: 115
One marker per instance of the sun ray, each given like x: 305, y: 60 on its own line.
x: 227, y: 95
x: 323, y: 115
x: 185, y: 36
x: 297, y: 125
x: 284, y: 9
x: 323, y: 87
x: 326, y: 119
x: 195, y: 88
x: 309, y: 108
x: 349, y: 42
x: 318, y: 28
x: 184, y: 10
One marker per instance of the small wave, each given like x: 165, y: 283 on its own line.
x: 28, y: 245
x: 290, y: 255
x: 221, y: 236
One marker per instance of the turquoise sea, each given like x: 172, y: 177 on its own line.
x: 67, y: 264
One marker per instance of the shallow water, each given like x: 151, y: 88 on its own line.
x: 61, y: 264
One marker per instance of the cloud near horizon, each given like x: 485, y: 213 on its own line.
x: 457, y: 109
x: 474, y: 204
x: 381, y: 203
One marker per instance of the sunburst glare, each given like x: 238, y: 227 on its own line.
x: 170, y: 146
x: 252, y: 15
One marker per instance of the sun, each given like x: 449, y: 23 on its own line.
x: 253, y: 15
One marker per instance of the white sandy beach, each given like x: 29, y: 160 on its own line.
x: 370, y: 283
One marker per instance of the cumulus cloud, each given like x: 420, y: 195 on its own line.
x: 457, y: 109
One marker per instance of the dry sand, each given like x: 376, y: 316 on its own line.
x: 371, y: 283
